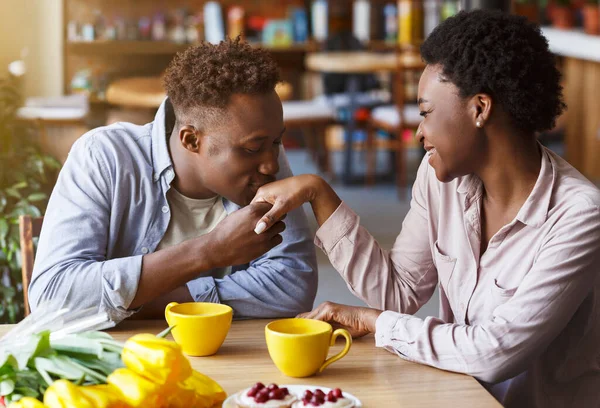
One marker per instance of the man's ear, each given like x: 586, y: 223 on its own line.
x: 190, y: 137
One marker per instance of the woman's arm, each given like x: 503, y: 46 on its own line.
x: 401, y: 280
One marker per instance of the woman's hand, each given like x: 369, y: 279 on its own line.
x: 285, y: 195
x: 290, y: 193
x: 359, y: 321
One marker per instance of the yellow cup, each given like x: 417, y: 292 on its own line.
x: 299, y: 347
x: 200, y: 328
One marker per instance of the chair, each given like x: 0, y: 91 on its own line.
x: 312, y: 117
x: 134, y: 99
x: 395, y: 119
x: 29, y: 228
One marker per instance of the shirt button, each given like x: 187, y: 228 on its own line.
x: 165, y: 209
x: 145, y: 250
x: 156, y: 176
x: 169, y: 173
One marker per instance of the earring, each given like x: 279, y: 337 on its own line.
x: 479, y: 124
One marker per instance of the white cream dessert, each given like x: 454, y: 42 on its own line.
x: 317, y: 398
x: 259, y: 396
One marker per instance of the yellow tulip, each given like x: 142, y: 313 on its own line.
x: 206, y: 387
x: 185, y: 397
x: 27, y: 402
x: 104, y: 396
x: 157, y: 359
x: 64, y: 394
x: 137, y: 391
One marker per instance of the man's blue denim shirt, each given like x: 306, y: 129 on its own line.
x: 109, y: 208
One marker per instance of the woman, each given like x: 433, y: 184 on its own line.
x: 508, y: 230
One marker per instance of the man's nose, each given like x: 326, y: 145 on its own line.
x: 270, y: 162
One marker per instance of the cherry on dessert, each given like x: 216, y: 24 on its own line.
x: 259, y: 386
x: 252, y: 392
x: 338, y: 393
x: 319, y: 393
x: 307, y: 395
x: 276, y: 394
x: 331, y: 398
x: 272, y: 387
x: 285, y: 391
x: 317, y: 400
x: 263, y: 393
x: 260, y: 398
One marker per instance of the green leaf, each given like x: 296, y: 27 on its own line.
x: 57, y: 366
x: 27, y: 392
x: 76, y: 344
x: 51, y: 162
x: 35, y: 345
x: 37, y: 197
x: 11, y: 192
x: 7, y: 387
x: 8, y: 362
x: 20, y: 185
x: 3, y: 232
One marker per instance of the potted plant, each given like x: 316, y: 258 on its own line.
x: 561, y: 14
x: 591, y: 17
x: 26, y: 178
x: 527, y: 8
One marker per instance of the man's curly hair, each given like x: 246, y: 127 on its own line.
x: 505, y: 56
x: 207, y: 75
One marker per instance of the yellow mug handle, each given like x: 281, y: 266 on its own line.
x: 334, y: 336
x: 167, y: 308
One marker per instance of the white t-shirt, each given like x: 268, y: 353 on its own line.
x: 191, y: 218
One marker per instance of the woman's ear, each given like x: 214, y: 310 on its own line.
x: 189, y: 137
x: 480, y: 107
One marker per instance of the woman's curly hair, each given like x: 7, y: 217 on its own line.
x: 505, y: 56
x: 207, y: 75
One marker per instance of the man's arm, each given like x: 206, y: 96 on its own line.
x: 283, y: 282
x: 71, y: 262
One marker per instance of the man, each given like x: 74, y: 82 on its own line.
x: 146, y: 215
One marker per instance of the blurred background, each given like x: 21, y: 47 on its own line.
x: 350, y: 71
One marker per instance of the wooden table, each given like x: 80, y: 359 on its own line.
x: 375, y: 376
x: 360, y: 62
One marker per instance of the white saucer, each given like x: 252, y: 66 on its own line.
x: 297, y: 390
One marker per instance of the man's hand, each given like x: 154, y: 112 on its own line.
x: 359, y: 321
x: 234, y: 242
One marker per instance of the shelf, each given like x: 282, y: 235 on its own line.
x: 124, y: 47
x: 104, y: 48
x: 573, y: 43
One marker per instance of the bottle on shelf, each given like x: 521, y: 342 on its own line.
x: 433, y: 11
x: 405, y: 22
x: 390, y: 12
x: 159, y: 27
x: 299, y: 24
x: 361, y: 19
x: 449, y: 8
x: 320, y: 20
x: 235, y: 21
x: 213, y: 22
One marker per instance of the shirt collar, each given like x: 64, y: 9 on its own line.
x: 534, y: 211
x: 163, y: 124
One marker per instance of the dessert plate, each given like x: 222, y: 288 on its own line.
x: 297, y: 390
